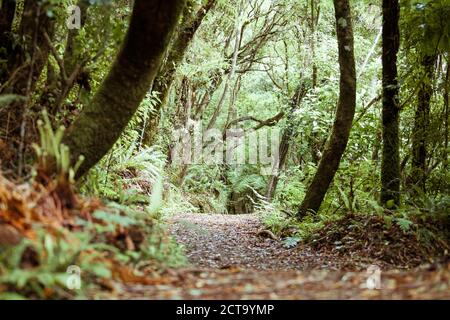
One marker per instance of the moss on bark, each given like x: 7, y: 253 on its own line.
x: 101, y: 123
x: 337, y: 143
x: 421, y: 123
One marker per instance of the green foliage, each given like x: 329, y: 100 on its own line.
x: 6, y: 99
x: 158, y: 248
x: 52, y: 153
x: 126, y: 175
x: 53, y: 256
x: 178, y: 201
x: 273, y: 217
x: 205, y: 189
x: 273, y: 61
x: 426, y: 22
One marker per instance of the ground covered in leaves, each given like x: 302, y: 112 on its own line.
x: 228, y: 241
x: 232, y: 257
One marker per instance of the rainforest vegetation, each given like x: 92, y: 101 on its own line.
x: 224, y: 149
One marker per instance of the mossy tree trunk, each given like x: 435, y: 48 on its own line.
x: 421, y: 126
x: 166, y: 75
x: 390, y: 165
x: 101, y: 123
x: 286, y: 138
x: 72, y: 67
x: 337, y: 143
x: 446, y: 115
x: 73, y: 52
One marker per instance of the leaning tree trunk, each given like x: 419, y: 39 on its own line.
x: 390, y: 165
x: 421, y: 123
x: 166, y: 75
x: 332, y: 154
x: 101, y: 123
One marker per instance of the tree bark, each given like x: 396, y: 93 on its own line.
x: 166, y: 75
x: 332, y: 154
x: 237, y: 44
x: 446, y: 114
x: 421, y: 123
x: 101, y: 123
x: 390, y: 164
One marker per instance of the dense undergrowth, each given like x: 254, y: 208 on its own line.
x: 401, y: 238
x: 50, y: 234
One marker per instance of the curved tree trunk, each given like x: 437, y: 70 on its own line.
x: 101, y: 123
x: 390, y: 165
x: 166, y: 75
x: 337, y: 143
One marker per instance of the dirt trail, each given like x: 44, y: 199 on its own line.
x: 231, y: 261
x: 232, y: 241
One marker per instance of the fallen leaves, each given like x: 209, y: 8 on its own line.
x: 369, y: 238
x: 233, y: 262
x: 295, y: 285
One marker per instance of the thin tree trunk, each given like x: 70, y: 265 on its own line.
x: 390, y: 166
x: 166, y: 75
x: 286, y: 138
x: 421, y: 123
x: 101, y: 123
x: 72, y: 54
x: 73, y: 64
x: 332, y: 154
x: 315, y: 13
x: 234, y: 60
x: 446, y: 113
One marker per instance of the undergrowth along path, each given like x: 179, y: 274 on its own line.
x: 231, y: 259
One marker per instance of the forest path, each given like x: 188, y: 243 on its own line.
x: 232, y: 241
x: 230, y: 261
